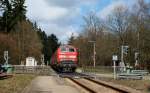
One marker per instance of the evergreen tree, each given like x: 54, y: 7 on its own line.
x: 50, y: 44
x: 13, y: 13
x: 71, y: 39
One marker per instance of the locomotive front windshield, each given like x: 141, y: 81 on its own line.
x: 71, y: 50
x: 64, y: 49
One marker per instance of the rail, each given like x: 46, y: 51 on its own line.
x: 99, y: 84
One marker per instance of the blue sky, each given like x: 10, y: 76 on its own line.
x: 64, y: 17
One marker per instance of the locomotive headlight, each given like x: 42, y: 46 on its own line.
x: 72, y: 56
x: 62, y: 56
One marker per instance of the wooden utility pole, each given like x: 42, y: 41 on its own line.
x: 94, y: 52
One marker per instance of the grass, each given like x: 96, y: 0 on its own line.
x: 101, y: 70
x: 15, y: 84
x: 141, y: 85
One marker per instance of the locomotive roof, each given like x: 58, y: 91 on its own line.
x: 67, y: 46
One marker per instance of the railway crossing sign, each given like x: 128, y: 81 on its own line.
x: 114, y: 57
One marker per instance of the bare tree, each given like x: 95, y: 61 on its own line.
x: 93, y: 26
x: 141, y: 22
x: 118, y: 22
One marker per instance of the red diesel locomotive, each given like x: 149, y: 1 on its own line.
x: 65, y: 58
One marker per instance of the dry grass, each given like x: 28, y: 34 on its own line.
x: 142, y: 85
x: 15, y: 84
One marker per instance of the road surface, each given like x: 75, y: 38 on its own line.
x: 49, y: 84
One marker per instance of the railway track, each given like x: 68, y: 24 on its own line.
x: 74, y: 75
x: 88, y: 85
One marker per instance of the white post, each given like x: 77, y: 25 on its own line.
x: 6, y: 57
x: 114, y: 58
x: 136, y: 58
x: 42, y: 60
x: 114, y: 69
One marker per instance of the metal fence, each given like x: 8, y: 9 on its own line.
x: 39, y: 70
x: 101, y: 69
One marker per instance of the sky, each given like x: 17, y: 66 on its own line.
x: 65, y: 17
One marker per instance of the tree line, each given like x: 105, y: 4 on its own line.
x: 21, y: 37
x: 123, y: 26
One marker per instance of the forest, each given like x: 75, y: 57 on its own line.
x: 124, y: 26
x: 21, y: 37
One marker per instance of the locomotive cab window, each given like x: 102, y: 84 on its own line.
x: 63, y: 49
x: 71, y: 50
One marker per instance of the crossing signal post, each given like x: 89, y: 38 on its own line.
x: 6, y: 57
x: 124, y: 50
x: 42, y: 60
x: 136, y: 56
x: 94, y: 52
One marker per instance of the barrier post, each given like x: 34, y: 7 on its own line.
x: 114, y: 58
